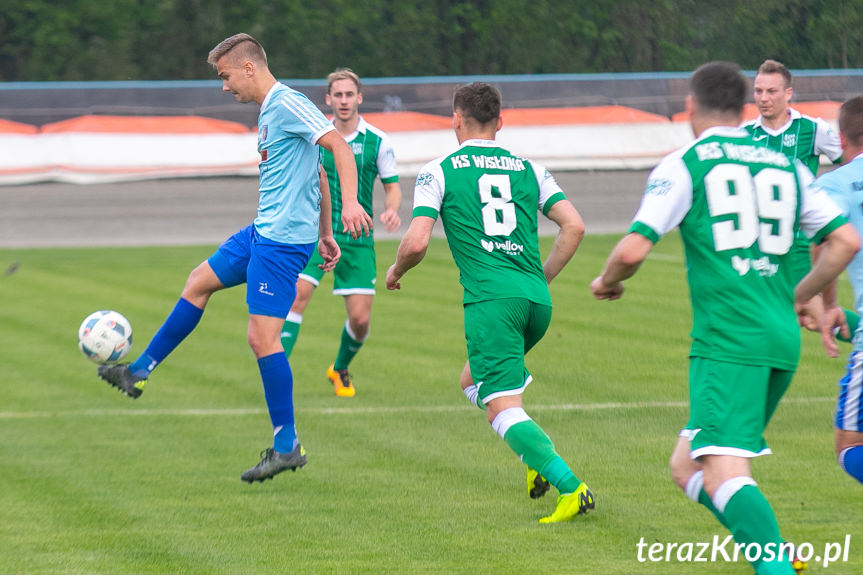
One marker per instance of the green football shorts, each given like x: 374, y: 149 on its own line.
x: 730, y: 405
x: 499, y: 333
x: 354, y: 274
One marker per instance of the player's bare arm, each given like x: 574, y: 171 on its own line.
x: 624, y: 260
x: 832, y: 316
x: 835, y: 252
x: 392, y: 202
x: 412, y: 250
x: 569, y: 237
x: 354, y: 217
x: 327, y: 246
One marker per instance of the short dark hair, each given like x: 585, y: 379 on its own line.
x: 774, y: 67
x: 719, y: 87
x: 241, y: 46
x: 479, y: 101
x: 851, y: 120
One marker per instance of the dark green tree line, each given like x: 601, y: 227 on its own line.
x: 46, y: 40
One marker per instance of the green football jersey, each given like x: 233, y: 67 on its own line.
x: 374, y: 156
x: 803, y: 138
x: 738, y: 206
x: 488, y: 200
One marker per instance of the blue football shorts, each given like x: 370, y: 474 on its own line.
x: 269, y: 269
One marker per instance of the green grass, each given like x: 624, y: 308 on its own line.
x: 403, y: 478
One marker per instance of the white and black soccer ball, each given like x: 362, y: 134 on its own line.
x: 105, y: 336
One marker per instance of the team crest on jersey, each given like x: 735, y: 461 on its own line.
x: 424, y: 179
x: 658, y: 187
x: 789, y: 140
x: 264, y: 132
x: 357, y: 148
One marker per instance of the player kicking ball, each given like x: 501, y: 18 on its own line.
x: 267, y: 256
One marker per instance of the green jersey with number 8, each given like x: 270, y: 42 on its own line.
x: 488, y: 200
x: 739, y: 206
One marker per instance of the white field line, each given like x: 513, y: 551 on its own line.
x: 131, y: 412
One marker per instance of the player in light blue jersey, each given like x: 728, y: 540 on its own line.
x: 267, y: 256
x: 845, y: 186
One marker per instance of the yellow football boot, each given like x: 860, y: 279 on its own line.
x: 341, y: 382
x: 537, y: 486
x: 568, y: 506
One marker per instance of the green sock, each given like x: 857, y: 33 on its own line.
x: 348, y: 348
x: 705, y: 500
x: 751, y: 520
x: 290, y: 333
x: 695, y: 490
x: 534, y: 447
x: 853, y: 321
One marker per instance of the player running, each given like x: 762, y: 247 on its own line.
x: 738, y: 206
x: 488, y: 200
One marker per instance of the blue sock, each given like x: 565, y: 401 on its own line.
x: 279, y: 392
x: 851, y: 460
x: 180, y: 323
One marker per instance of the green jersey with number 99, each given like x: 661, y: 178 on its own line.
x: 488, y: 200
x: 739, y: 206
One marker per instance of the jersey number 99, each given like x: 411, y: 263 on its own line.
x: 762, y: 208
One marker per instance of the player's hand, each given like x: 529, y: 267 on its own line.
x: 393, y: 278
x: 391, y: 220
x: 355, y: 219
x: 330, y: 251
x: 810, y: 313
x: 833, y: 318
x: 603, y: 291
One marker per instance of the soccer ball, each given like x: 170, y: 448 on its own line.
x: 105, y: 336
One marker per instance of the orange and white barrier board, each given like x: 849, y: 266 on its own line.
x: 91, y: 149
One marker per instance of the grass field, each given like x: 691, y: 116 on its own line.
x: 404, y: 478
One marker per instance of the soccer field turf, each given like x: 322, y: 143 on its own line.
x: 404, y: 478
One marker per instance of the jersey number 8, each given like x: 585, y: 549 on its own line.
x: 493, y: 225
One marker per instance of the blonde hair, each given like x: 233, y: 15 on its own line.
x: 241, y: 46
x: 343, y: 74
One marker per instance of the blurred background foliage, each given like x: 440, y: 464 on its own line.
x: 47, y: 40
